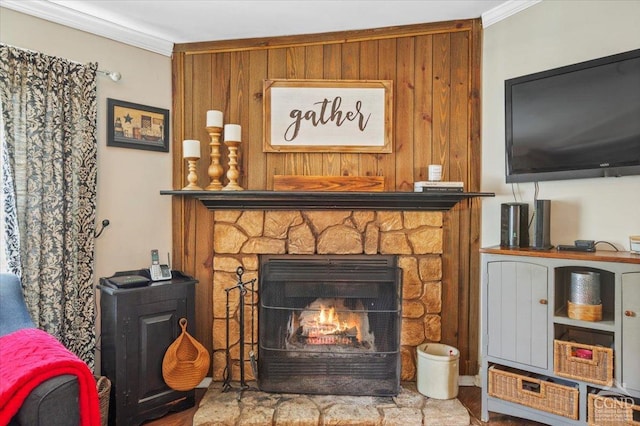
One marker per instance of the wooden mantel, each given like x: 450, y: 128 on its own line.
x: 326, y: 200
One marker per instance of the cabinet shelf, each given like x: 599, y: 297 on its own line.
x: 562, y: 284
x: 607, y: 323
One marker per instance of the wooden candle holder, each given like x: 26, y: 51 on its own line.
x: 192, y: 177
x: 215, y: 170
x: 233, y: 174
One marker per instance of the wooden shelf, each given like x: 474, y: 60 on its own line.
x: 596, y: 256
x: 327, y: 200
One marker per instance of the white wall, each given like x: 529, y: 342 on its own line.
x: 129, y: 180
x: 551, y: 34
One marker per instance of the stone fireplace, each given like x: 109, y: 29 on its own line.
x: 415, y: 238
x: 329, y: 324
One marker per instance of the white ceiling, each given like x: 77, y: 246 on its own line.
x: 156, y: 25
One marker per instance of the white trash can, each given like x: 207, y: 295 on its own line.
x: 438, y: 370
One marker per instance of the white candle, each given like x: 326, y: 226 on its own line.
x: 434, y: 171
x: 191, y: 148
x: 232, y: 132
x: 214, y: 118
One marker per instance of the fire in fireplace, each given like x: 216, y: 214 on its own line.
x: 329, y: 324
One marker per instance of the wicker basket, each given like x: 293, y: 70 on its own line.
x: 598, y: 369
x: 104, y: 391
x: 611, y: 411
x: 538, y: 393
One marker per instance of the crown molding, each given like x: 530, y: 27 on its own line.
x: 55, y: 12
x: 82, y: 21
x: 505, y: 10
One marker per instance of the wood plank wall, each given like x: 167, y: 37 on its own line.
x: 436, y: 73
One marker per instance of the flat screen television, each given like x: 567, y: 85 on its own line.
x: 577, y: 121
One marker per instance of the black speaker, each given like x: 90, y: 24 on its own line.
x: 514, y: 231
x: 542, y: 230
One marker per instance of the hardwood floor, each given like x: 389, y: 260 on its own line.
x: 182, y: 418
x: 468, y: 395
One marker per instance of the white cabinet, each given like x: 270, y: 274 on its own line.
x: 517, y: 312
x: 631, y: 330
x: 524, y: 297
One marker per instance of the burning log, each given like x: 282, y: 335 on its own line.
x: 328, y: 322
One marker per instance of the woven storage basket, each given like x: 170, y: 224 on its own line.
x: 104, y: 391
x: 611, y: 411
x: 598, y: 369
x: 186, y: 361
x: 550, y: 397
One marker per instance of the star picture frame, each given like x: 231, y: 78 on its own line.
x: 136, y: 126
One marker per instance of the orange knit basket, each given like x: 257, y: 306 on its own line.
x: 186, y: 361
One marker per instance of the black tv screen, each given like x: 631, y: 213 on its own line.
x: 577, y: 121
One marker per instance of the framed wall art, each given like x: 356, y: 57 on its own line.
x: 137, y: 126
x: 328, y: 116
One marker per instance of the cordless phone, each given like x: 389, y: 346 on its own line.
x: 157, y: 271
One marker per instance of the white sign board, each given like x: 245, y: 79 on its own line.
x: 327, y: 115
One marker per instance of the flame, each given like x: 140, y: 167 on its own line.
x: 321, y: 318
x: 328, y: 321
x: 325, y: 328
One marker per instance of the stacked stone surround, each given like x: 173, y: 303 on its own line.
x: 241, y: 236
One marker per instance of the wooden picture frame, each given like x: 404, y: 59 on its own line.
x: 137, y: 126
x: 352, y: 116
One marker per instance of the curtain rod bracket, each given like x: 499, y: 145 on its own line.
x: 113, y: 75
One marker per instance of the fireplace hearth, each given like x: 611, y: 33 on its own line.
x: 329, y: 324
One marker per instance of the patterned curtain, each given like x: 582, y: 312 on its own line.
x: 48, y: 129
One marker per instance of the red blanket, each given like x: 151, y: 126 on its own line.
x: 30, y: 356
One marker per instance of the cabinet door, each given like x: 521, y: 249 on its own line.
x: 517, y: 312
x: 631, y: 330
x: 154, y: 328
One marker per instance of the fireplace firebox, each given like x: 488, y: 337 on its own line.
x: 329, y: 324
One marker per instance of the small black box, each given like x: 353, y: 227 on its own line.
x: 514, y: 229
x: 542, y: 225
x: 128, y: 281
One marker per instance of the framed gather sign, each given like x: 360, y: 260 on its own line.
x: 328, y: 116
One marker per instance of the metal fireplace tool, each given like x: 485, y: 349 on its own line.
x: 242, y: 291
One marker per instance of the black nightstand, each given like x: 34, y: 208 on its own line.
x: 138, y: 325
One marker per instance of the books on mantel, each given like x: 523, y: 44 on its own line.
x: 438, y: 186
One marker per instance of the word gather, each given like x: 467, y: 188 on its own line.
x: 327, y: 112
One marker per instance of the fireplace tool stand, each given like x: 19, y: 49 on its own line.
x: 242, y: 291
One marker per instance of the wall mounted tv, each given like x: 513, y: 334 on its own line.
x: 577, y: 121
